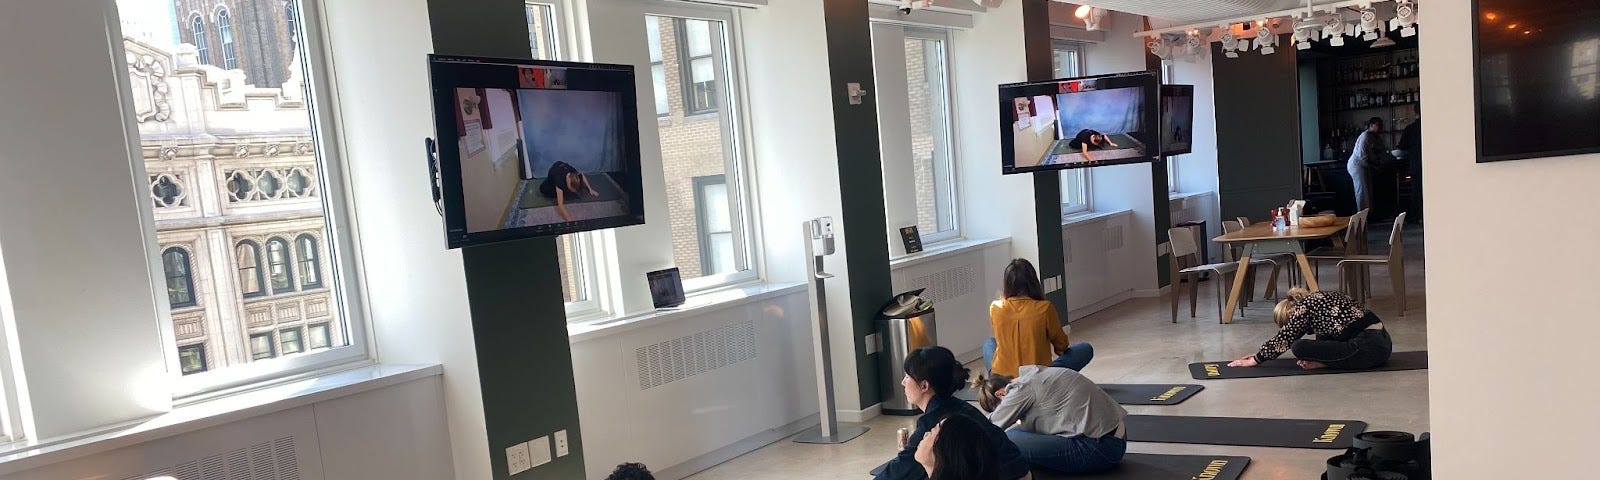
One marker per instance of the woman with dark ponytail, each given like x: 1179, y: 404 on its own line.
x: 932, y: 377
x: 955, y: 450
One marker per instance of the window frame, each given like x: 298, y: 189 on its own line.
x: 327, y: 334
x: 230, y: 55
x: 299, y: 338
x: 200, y: 347
x: 735, y: 135
x: 302, y: 243
x: 288, y: 265
x: 11, y: 418
x: 1073, y: 179
x: 343, y: 237
x: 1168, y: 76
x: 584, y: 243
x: 949, y: 139
x: 686, y: 70
x: 702, y: 231
x: 188, y: 276
x: 272, y: 345
x: 197, y: 29
x: 238, y: 267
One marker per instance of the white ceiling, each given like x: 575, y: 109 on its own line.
x: 1176, y: 12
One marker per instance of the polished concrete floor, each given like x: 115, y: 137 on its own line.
x: 1135, y: 342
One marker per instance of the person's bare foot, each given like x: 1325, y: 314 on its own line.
x: 1310, y: 364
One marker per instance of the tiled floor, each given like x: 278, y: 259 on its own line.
x: 1135, y: 342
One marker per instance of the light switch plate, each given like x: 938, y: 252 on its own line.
x: 561, y: 443
x: 539, y: 450
x: 517, y: 459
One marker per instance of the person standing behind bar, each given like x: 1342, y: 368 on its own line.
x: 1369, y: 150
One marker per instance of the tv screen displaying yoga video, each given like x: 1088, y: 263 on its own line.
x: 1078, y: 122
x: 1177, y: 119
x: 534, y: 148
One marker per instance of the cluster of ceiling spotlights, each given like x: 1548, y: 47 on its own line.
x: 1329, y: 26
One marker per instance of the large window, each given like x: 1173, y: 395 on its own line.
x: 912, y: 66
x: 700, y: 140
x: 1169, y: 77
x: 1067, y: 58
x: 249, y: 234
x: 576, y: 250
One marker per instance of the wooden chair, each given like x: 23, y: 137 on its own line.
x: 1354, y: 243
x: 1280, y: 260
x: 1231, y: 253
x: 1395, y: 261
x: 1186, y: 251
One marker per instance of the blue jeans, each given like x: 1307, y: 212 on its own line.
x: 1075, y: 358
x: 1074, y: 455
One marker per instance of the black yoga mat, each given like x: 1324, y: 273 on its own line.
x: 1249, y: 432
x: 1285, y: 366
x: 1150, y: 394
x: 1149, y: 466
x: 1129, y: 393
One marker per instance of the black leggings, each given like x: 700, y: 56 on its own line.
x: 1369, y: 349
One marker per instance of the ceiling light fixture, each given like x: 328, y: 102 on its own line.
x: 1369, y: 26
x: 1405, y: 17
x: 1266, y: 41
x: 1305, y: 32
x: 1230, y: 43
x: 1335, y: 29
x: 1091, y: 17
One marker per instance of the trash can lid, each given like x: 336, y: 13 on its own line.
x: 906, y: 305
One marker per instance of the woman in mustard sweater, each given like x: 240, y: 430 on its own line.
x: 1027, y: 330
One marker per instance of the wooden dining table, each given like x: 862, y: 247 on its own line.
x: 1260, y: 239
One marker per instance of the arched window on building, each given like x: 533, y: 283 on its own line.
x: 310, y: 264
x: 225, y: 35
x: 198, y: 26
x: 247, y: 255
x: 279, y: 270
x: 180, y: 277
x: 291, y: 14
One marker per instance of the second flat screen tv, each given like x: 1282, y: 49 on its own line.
x: 1177, y: 119
x: 534, y: 148
x: 1079, y: 122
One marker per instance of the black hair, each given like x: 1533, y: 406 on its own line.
x: 1374, y: 121
x: 1021, y: 280
x: 937, y: 366
x: 963, y: 452
x: 633, y: 471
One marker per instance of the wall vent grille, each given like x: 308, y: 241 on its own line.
x: 947, y: 284
x: 684, y: 357
x: 1113, y: 238
x: 273, y: 460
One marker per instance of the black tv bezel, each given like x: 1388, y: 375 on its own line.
x: 1183, y: 91
x: 442, y: 84
x: 1477, y: 108
x: 1146, y: 79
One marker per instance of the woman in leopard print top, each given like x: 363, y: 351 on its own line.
x: 1347, y: 335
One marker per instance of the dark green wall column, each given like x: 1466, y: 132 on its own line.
x: 514, y: 289
x: 1159, y: 193
x: 1046, y: 185
x: 1258, y: 147
x: 866, y: 239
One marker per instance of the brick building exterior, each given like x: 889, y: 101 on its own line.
x: 691, y: 147
x: 262, y: 34
x: 922, y: 137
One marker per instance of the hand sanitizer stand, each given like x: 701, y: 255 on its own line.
x: 819, y: 243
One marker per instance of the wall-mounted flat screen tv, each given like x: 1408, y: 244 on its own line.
x: 1537, y: 78
x: 1079, y: 122
x: 534, y: 148
x: 1177, y: 119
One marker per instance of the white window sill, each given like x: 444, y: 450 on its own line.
x: 943, y: 249
x: 1085, y: 217
x: 697, y: 304
x: 31, y: 454
x: 1183, y: 195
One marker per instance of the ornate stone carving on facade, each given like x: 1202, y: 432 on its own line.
x: 302, y: 148
x: 169, y: 153
x: 169, y: 190
x: 241, y: 151
x: 271, y: 150
x: 152, y: 97
x: 264, y: 184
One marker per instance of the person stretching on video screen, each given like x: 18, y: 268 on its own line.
x: 1089, y: 139
x: 564, y: 182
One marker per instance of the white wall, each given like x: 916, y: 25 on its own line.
x: 1197, y: 170
x: 796, y: 161
x: 415, y: 287
x: 962, y: 314
x: 984, y: 57
x: 1486, y: 293
x: 672, y: 427
x: 1098, y: 252
x: 396, y: 432
x: 81, y: 270
x: 1121, y: 51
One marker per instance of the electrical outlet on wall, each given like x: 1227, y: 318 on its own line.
x: 539, y: 450
x: 561, y: 443
x: 518, y: 459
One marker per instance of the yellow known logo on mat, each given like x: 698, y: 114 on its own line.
x: 1331, y: 433
x: 1168, y: 395
x: 1211, y: 471
x: 1211, y: 370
